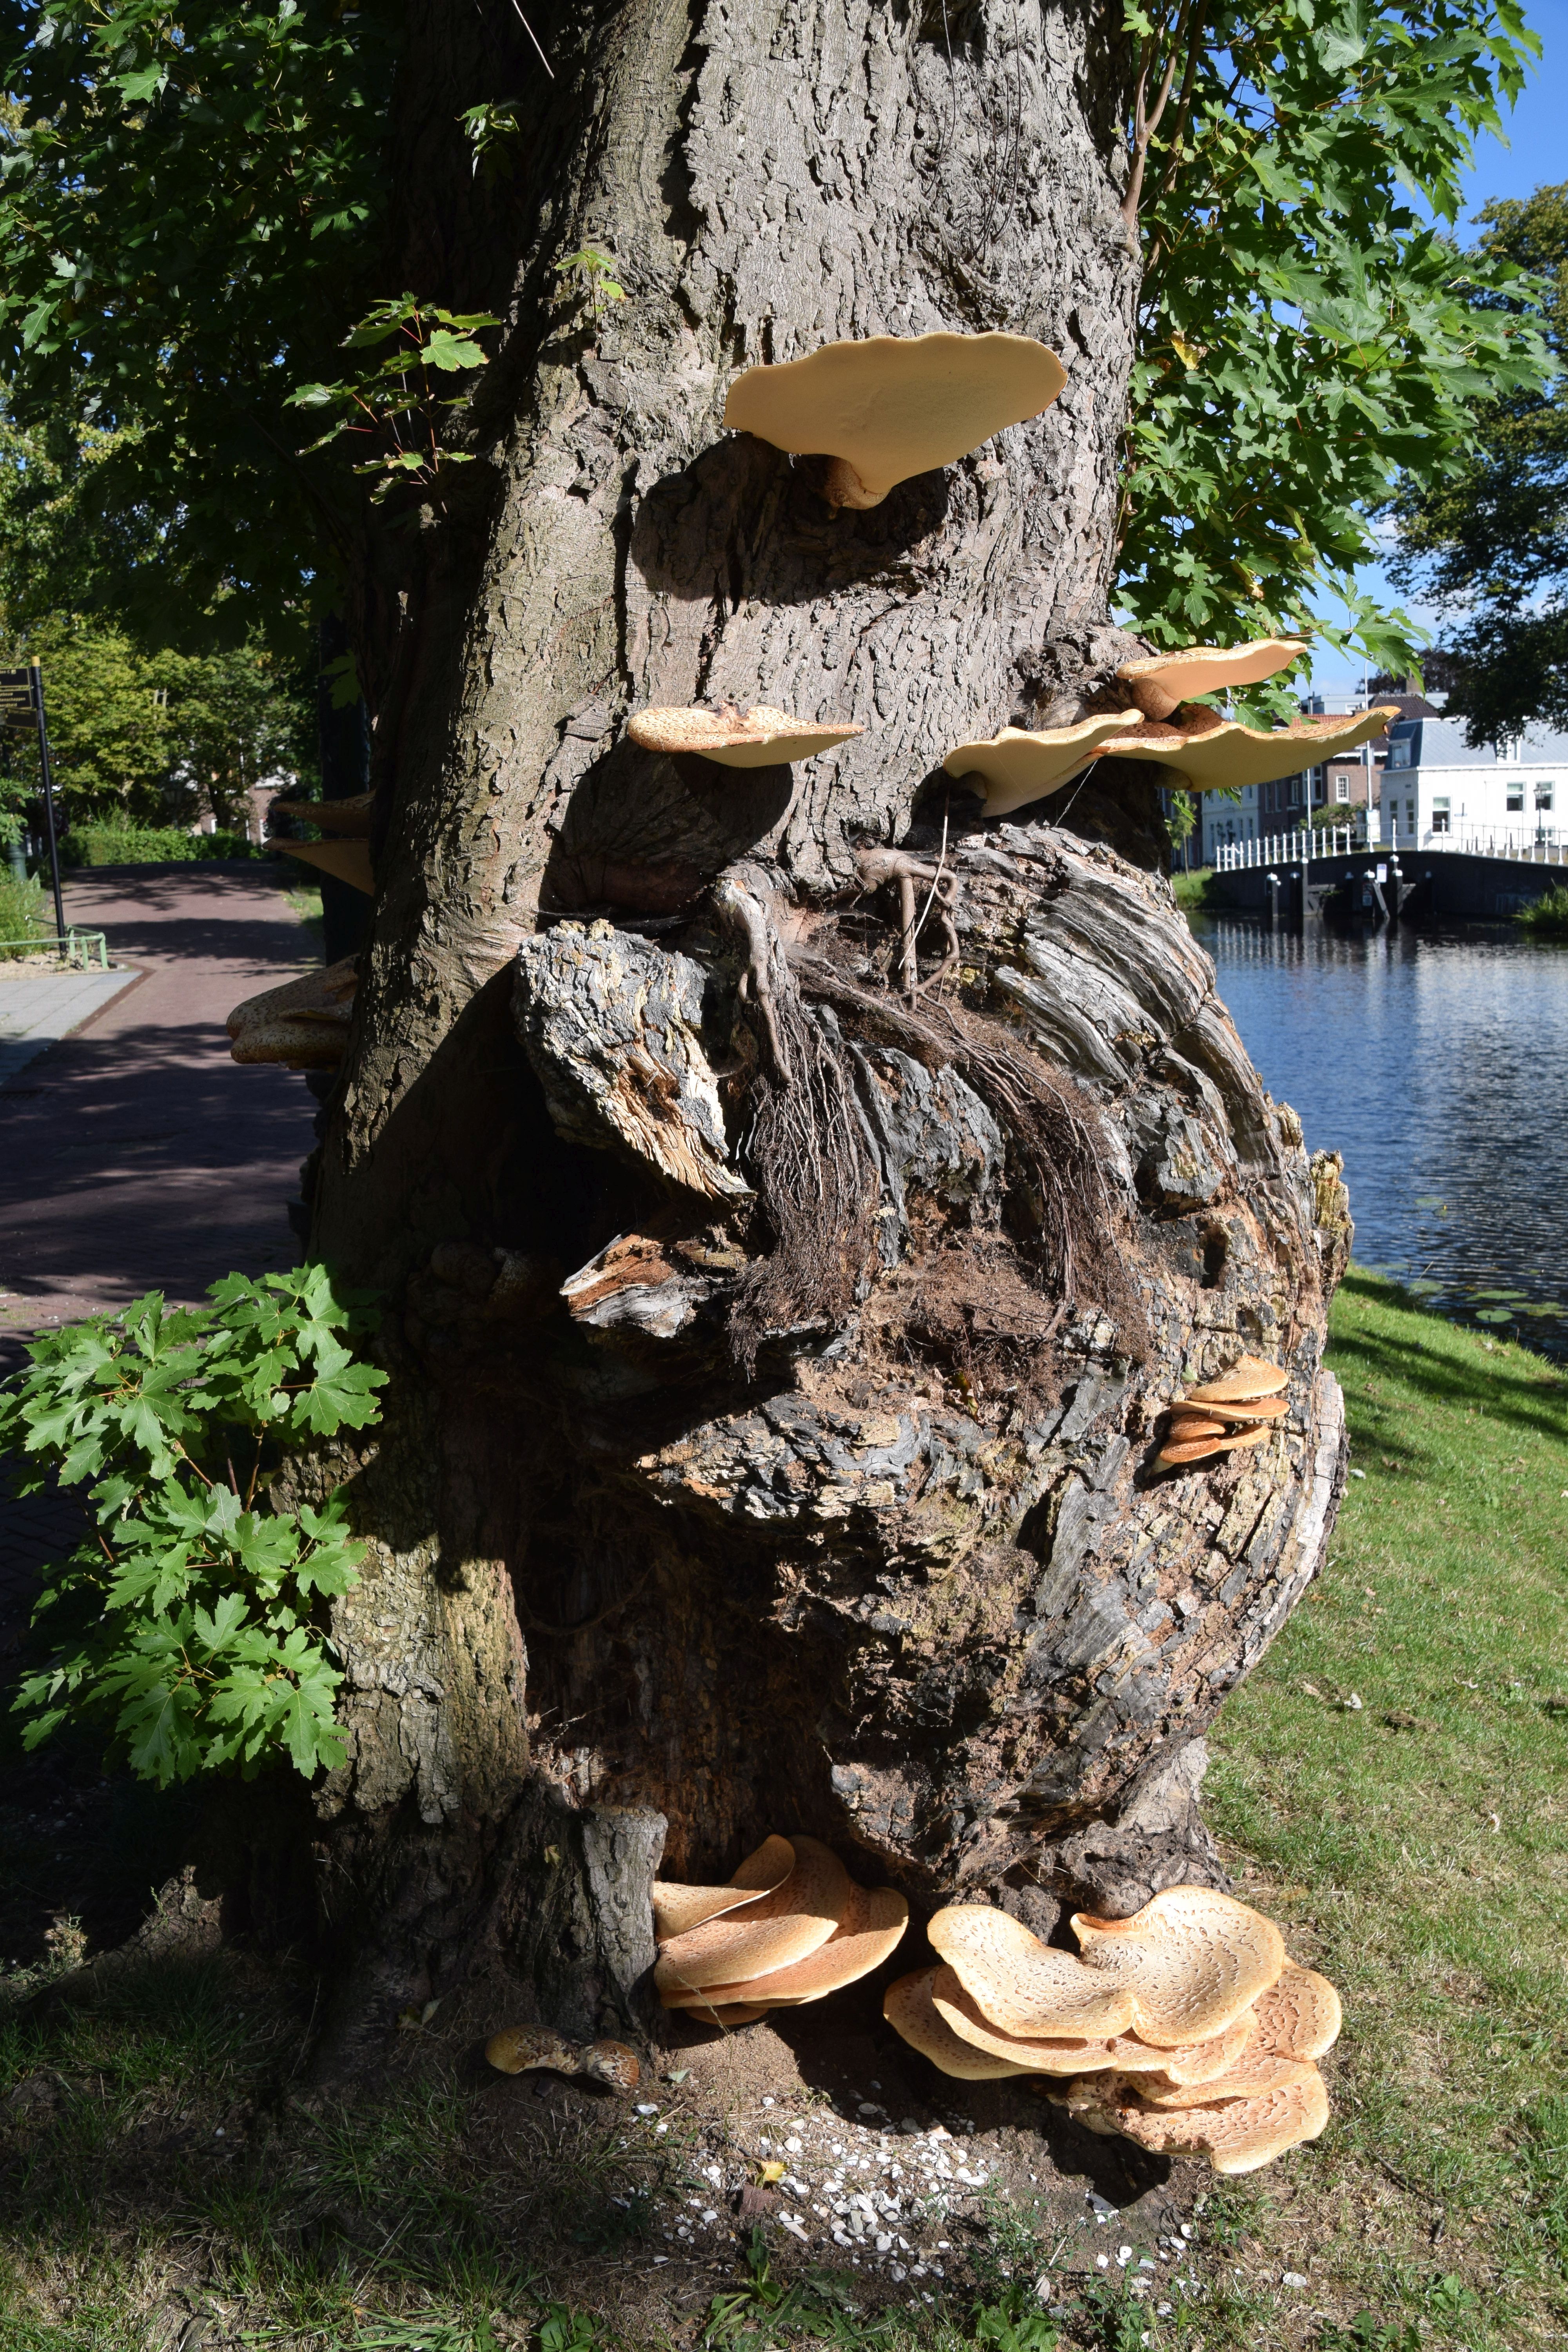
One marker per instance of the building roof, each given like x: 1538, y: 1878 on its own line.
x: 1440, y: 744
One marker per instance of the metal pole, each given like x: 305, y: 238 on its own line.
x: 49, y: 797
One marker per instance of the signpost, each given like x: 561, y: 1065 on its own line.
x: 22, y: 709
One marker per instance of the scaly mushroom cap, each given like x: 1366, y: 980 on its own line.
x: 1021, y: 1984
x: 678, y: 1909
x: 1166, y: 680
x: 326, y: 996
x: 907, y: 2007
x: 894, y: 405
x: 1248, y: 1380
x: 1041, y: 2056
x: 1237, y: 2135
x: 1185, y: 1426
x: 868, y: 1934
x: 1183, y: 1451
x: 348, y: 860
x: 1297, y: 2017
x: 1213, y: 755
x: 1249, y: 2078
x: 516, y: 2049
x: 759, y: 738
x: 771, y: 1932
x: 1192, y: 1960
x: 348, y: 820
x: 1018, y: 767
x: 614, y: 2064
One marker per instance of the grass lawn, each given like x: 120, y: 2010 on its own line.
x: 168, y: 2179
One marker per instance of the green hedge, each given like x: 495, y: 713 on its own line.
x: 150, y: 844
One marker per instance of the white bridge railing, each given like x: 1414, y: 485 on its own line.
x: 1531, y: 845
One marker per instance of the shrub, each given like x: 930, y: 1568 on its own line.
x: 1548, y: 917
x: 110, y: 843
x: 22, y: 910
x: 188, y: 1621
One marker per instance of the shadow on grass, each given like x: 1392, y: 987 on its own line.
x: 1454, y: 1369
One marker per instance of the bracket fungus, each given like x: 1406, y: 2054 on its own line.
x: 1220, y: 2028
x: 810, y: 1930
x: 1213, y: 754
x: 346, y: 860
x: 518, y: 2048
x: 303, y: 1025
x: 1236, y: 1410
x: 758, y: 737
x: 347, y: 820
x: 891, y: 406
x: 1017, y: 767
x: 1162, y: 682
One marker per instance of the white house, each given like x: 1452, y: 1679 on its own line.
x: 1434, y: 784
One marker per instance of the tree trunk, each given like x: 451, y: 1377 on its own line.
x: 777, y: 1353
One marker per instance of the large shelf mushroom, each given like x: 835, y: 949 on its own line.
x: 346, y: 855
x: 303, y: 1025
x: 758, y: 737
x: 1186, y: 2026
x: 791, y: 1927
x: 1236, y: 1410
x: 1015, y: 767
x: 1213, y: 754
x: 1163, y: 681
x: 890, y: 406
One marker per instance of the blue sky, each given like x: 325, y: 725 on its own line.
x: 1537, y: 152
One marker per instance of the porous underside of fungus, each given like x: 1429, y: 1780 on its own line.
x: 891, y: 406
x: 810, y: 1931
x: 1017, y: 767
x: 346, y: 861
x: 347, y: 820
x: 1163, y: 681
x: 1239, y: 2085
x: 758, y: 737
x: 1213, y: 755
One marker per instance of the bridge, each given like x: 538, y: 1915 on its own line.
x: 1471, y: 874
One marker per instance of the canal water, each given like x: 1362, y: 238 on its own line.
x: 1438, y: 1065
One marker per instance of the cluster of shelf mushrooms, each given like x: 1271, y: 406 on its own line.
x: 1187, y: 2028
x: 304, y: 1025
x: 791, y: 1927
x: 880, y: 411
x: 1241, y: 1408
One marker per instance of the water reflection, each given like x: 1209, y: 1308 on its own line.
x: 1438, y: 1064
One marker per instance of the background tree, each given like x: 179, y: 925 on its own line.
x: 1489, y: 537
x: 825, y: 1493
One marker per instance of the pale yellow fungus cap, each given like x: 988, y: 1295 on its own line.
x: 1192, y: 1959
x: 773, y: 1931
x: 348, y: 861
x: 325, y: 996
x: 678, y: 1909
x: 1018, y: 767
x: 1182, y: 1450
x: 348, y: 820
x: 1236, y: 2135
x: 1223, y: 756
x: 1022, y: 1985
x: 891, y: 406
x: 1042, y: 2055
x: 1164, y: 680
x: 908, y: 2008
x: 728, y: 2013
x: 758, y: 737
x: 869, y: 1933
x: 1299, y: 2016
x: 1248, y: 1379
x: 1249, y: 2078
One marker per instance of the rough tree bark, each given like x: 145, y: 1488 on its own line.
x: 777, y: 1355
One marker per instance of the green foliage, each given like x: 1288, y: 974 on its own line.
x: 1015, y: 2323
x: 189, y: 202
x: 23, y: 913
x: 391, y: 408
x: 1490, y: 540
x: 1546, y: 918
x: 1305, y: 337
x: 117, y: 843
x: 589, y: 281
x: 187, y: 1621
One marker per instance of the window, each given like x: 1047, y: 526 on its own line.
x: 1342, y: 788
x: 1516, y: 793
x: 1543, y: 796
x: 1399, y: 753
x: 1440, y: 816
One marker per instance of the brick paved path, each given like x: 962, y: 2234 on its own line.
x: 135, y: 1155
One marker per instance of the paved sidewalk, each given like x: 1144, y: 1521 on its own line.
x: 37, y: 1008
x: 134, y: 1154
